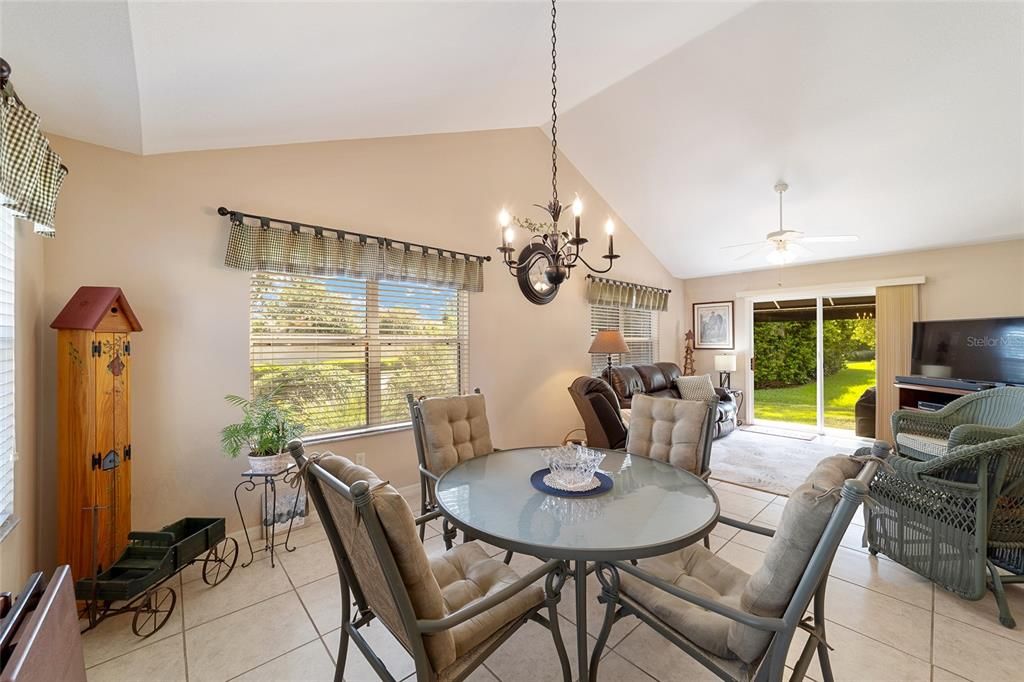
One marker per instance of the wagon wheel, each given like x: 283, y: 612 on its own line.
x: 220, y: 561
x: 154, y: 610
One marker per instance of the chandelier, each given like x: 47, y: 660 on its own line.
x: 548, y: 259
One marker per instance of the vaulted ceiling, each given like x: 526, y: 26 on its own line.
x: 902, y: 123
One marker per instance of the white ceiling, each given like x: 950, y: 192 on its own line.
x: 902, y: 123
x: 153, y: 77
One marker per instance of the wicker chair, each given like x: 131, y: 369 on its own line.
x: 740, y: 626
x: 955, y: 517
x: 986, y: 415
x: 449, y: 612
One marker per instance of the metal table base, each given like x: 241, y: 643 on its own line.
x: 269, y: 507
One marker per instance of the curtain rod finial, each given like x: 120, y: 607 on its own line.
x: 222, y: 211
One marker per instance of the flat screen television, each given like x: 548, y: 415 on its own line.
x: 985, y: 350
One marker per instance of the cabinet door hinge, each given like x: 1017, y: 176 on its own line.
x: 96, y: 461
x: 97, y: 350
x: 127, y: 347
x: 128, y: 452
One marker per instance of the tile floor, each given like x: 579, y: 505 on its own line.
x: 282, y: 623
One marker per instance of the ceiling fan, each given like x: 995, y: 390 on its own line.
x: 783, y: 246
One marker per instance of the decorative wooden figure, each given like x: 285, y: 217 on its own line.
x: 688, y: 369
x: 94, y: 450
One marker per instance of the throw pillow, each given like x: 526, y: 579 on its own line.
x: 696, y: 388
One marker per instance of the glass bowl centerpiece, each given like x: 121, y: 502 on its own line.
x: 572, y: 467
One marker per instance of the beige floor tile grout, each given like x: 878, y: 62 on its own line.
x: 877, y: 641
x: 296, y: 648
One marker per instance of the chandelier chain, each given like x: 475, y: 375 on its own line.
x: 554, y: 104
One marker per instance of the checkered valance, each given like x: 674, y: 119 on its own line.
x: 614, y: 292
x: 31, y: 173
x: 258, y: 248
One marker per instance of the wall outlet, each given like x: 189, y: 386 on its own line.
x: 361, y: 459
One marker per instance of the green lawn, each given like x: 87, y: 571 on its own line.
x: 796, y: 404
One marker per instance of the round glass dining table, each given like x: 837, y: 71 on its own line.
x: 652, y: 508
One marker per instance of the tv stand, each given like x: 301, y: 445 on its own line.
x: 910, y: 394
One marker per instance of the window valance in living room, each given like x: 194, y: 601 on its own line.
x: 602, y: 291
x: 327, y: 252
x: 31, y: 173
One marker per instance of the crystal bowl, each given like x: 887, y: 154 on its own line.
x: 572, y: 466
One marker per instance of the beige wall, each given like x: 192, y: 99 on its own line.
x: 149, y: 225
x: 18, y: 555
x: 984, y: 280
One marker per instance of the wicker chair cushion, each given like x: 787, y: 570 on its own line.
x: 928, y: 445
x: 668, y: 430
x: 696, y: 570
x: 466, y: 574
x: 771, y: 587
x: 455, y: 429
x: 400, y: 529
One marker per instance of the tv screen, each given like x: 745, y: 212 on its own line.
x: 986, y: 350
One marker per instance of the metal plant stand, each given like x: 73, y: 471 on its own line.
x: 286, y: 476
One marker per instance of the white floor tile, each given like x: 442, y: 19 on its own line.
x: 162, y: 661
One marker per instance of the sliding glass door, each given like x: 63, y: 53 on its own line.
x: 813, y: 360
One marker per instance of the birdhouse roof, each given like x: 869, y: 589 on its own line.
x: 90, y: 305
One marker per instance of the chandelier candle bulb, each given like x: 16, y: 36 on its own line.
x: 609, y: 227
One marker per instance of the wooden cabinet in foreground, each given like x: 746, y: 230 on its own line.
x: 94, y: 449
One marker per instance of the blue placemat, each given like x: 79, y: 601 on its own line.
x: 537, y: 479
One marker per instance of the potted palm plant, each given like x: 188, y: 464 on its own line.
x: 262, y: 434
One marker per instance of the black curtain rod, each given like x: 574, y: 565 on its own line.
x: 236, y: 216
x: 628, y: 284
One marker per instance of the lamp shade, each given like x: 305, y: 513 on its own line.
x: 725, y: 363
x: 609, y: 341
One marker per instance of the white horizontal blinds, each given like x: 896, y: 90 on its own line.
x: 7, y: 444
x: 638, y: 327
x: 345, y: 351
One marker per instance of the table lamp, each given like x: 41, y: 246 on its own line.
x: 725, y: 365
x: 610, y: 342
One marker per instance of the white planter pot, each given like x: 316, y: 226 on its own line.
x: 270, y: 464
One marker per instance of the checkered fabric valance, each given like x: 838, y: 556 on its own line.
x: 601, y: 291
x: 31, y: 173
x: 257, y: 248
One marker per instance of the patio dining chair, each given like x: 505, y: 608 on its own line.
x: 447, y: 431
x: 678, y: 432
x: 740, y: 626
x: 449, y: 612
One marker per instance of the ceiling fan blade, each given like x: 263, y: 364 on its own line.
x: 799, y: 249
x: 737, y: 246
x: 748, y: 254
x: 830, y: 239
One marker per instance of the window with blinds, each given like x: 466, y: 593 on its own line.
x: 7, y: 445
x: 638, y: 327
x: 343, y: 353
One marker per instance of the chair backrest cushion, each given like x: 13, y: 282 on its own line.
x: 399, y: 526
x: 771, y: 587
x: 454, y: 429
x: 668, y: 430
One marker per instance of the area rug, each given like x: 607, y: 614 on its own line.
x: 769, y: 463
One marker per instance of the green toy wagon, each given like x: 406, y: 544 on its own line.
x: 135, y: 580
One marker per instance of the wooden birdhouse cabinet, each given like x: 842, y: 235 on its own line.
x: 94, y: 445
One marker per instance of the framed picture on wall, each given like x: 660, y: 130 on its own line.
x: 713, y: 325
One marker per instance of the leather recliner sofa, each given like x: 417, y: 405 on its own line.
x: 599, y: 408
x: 659, y: 380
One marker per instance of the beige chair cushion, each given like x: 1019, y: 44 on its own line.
x: 696, y: 570
x: 466, y: 574
x: 668, y: 430
x: 400, y: 528
x: 770, y: 588
x: 454, y: 429
x: 929, y: 445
